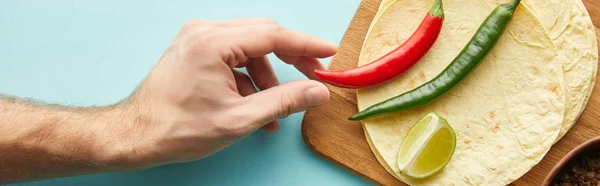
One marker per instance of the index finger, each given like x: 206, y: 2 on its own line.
x: 259, y: 40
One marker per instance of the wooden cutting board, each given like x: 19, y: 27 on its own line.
x: 327, y: 131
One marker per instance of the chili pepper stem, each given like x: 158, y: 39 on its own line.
x: 437, y: 9
x: 475, y: 51
x: 395, y: 62
x: 513, y: 5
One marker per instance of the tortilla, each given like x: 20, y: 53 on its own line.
x: 572, y: 31
x: 506, y: 112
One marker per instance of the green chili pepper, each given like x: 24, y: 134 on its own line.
x: 480, y: 44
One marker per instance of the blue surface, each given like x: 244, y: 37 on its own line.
x: 82, y: 52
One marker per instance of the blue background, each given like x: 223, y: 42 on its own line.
x: 82, y: 52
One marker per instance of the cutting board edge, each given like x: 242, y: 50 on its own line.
x: 310, y: 145
x: 344, y: 94
x: 333, y: 90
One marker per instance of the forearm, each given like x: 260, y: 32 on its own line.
x: 38, y: 142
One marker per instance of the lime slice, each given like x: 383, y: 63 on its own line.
x: 427, y: 148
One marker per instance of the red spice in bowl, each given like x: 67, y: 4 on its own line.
x: 581, y: 170
x: 581, y: 166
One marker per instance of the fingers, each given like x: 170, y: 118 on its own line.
x: 260, y: 40
x: 257, y: 37
x: 251, y: 38
x: 264, y: 77
x: 243, y: 83
x: 283, y: 100
x: 232, y: 23
x: 196, y: 23
x: 245, y: 22
x: 262, y: 73
x: 306, y: 65
x: 272, y: 127
x: 246, y: 88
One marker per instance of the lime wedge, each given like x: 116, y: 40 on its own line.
x: 427, y: 148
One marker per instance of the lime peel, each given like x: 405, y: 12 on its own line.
x: 427, y: 148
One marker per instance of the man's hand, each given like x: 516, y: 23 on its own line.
x: 192, y: 104
x: 195, y: 103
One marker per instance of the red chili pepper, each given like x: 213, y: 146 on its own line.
x: 395, y: 62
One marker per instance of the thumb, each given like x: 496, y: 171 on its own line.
x: 286, y: 99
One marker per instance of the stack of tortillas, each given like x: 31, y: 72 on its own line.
x: 509, y: 111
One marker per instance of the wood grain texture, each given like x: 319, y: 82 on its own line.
x: 327, y: 131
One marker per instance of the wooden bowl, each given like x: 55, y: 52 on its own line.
x: 590, y: 145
